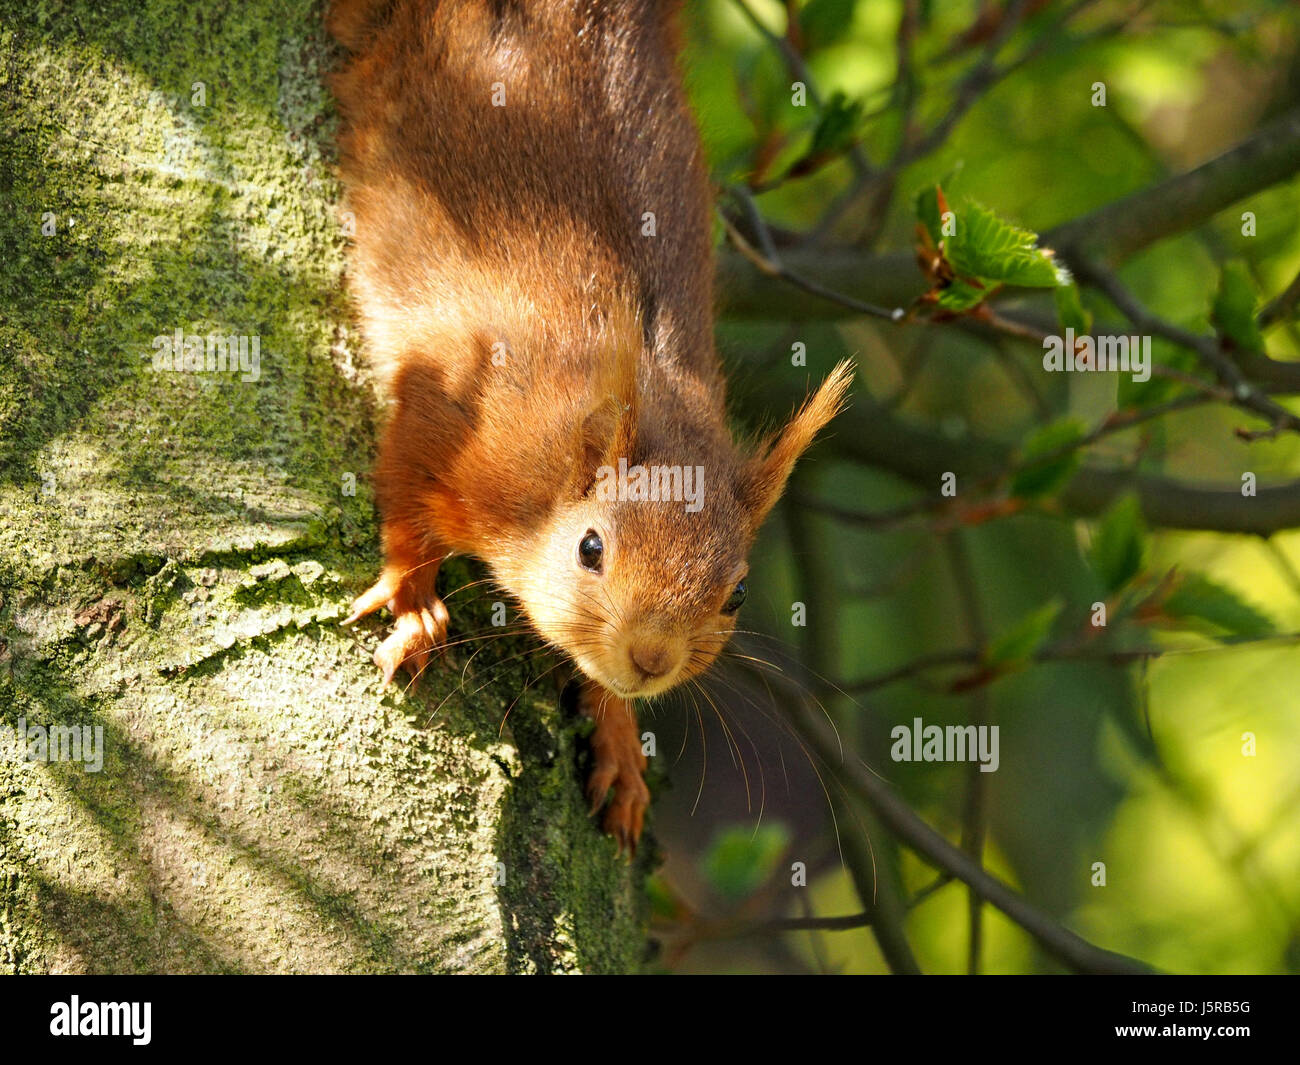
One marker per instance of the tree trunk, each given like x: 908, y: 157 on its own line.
x: 177, y: 548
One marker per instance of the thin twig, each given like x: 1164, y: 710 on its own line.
x: 974, y: 825
x: 795, y: 61
x: 771, y: 265
x: 982, y: 77
x: 701, y: 931
x: 1056, y: 653
x: 907, y: 826
x: 1245, y: 394
x: 1119, y: 421
x: 1283, y: 306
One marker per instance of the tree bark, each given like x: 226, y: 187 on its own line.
x: 177, y: 549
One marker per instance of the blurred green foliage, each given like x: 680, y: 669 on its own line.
x: 1179, y: 771
x: 739, y: 862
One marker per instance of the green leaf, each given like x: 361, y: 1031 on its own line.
x: 825, y: 22
x: 1157, y: 389
x: 767, y: 84
x: 1017, y: 644
x: 961, y: 296
x: 660, y: 895
x: 1043, y: 478
x: 986, y: 247
x: 837, y: 126
x: 927, y: 211
x: 1198, y: 598
x: 1119, y: 544
x: 1070, y: 311
x: 740, y: 860
x: 1235, y: 307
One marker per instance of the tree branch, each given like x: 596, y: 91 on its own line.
x: 874, y: 871
x: 1109, y: 234
x: 982, y: 77
x: 794, y: 62
x: 706, y: 931
x: 1244, y: 393
x: 905, y: 824
x: 974, y: 815
x: 770, y: 263
x: 1114, y: 232
x: 1071, y: 652
x: 869, y: 433
x: 1283, y: 306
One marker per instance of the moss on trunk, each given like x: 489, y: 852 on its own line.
x: 177, y: 548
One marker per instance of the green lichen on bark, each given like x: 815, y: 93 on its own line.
x: 176, y: 551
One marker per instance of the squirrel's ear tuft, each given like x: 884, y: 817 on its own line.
x: 608, y: 427
x: 769, y: 469
x: 606, y: 433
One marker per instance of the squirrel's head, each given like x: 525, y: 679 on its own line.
x: 639, y: 571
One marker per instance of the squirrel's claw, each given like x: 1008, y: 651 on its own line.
x: 381, y: 593
x: 419, y: 617
x: 625, y: 815
x: 415, y: 634
x: 619, y: 766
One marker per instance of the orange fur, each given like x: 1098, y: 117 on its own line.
x: 778, y: 454
x: 530, y: 332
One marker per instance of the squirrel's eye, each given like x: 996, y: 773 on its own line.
x: 591, y: 551
x: 735, y: 599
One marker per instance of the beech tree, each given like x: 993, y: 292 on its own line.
x: 177, y: 549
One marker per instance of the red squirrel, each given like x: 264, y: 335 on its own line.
x: 533, y: 273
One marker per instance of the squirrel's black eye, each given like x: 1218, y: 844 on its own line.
x: 591, y: 551
x: 735, y: 599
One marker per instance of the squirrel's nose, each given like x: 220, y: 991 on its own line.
x: 651, y: 660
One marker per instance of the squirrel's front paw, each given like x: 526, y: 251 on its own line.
x: 415, y: 634
x: 619, y: 765
x: 625, y: 815
x: 419, y: 620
